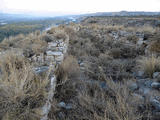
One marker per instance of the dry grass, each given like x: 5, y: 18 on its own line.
x: 32, y: 42
x: 155, y: 43
x: 155, y: 46
x: 58, y: 32
x: 149, y: 65
x: 113, y: 103
x: 20, y: 89
x: 96, y: 87
x: 93, y: 102
x: 132, y: 38
x: 98, y: 90
x: 69, y: 68
x: 145, y: 29
x: 115, y: 52
x: 106, y: 27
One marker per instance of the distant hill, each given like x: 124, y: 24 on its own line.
x: 10, y: 18
x: 13, y: 16
x: 125, y: 13
x: 6, y: 17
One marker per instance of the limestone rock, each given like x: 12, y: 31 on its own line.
x: 133, y: 87
x: 54, y: 53
x: 156, y: 104
x: 156, y: 74
x: 155, y: 85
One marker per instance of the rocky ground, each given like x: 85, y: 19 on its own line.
x: 117, y: 77
x: 100, y: 69
x: 28, y: 67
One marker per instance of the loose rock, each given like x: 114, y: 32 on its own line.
x: 156, y: 104
x: 155, y: 85
x: 133, y: 87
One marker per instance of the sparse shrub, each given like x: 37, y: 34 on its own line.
x: 11, y: 41
x: 60, y: 35
x: 58, y: 32
x: 132, y: 38
x: 115, y: 52
x: 67, y: 74
x: 52, y: 30
x: 104, y: 58
x: 28, y: 52
x: 149, y: 65
x: 129, y: 51
x: 32, y: 42
x: 155, y: 46
x: 39, y: 46
x: 69, y: 68
x: 70, y: 31
x: 155, y: 43
x: 48, y: 38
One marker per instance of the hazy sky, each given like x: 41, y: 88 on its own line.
x: 78, y: 6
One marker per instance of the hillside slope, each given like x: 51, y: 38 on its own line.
x: 111, y: 72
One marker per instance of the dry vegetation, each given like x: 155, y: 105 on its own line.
x: 20, y: 89
x: 96, y: 80
x: 34, y: 42
x: 155, y: 44
x: 23, y: 92
x: 150, y: 65
x: 107, y: 56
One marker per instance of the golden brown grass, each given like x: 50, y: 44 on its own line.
x: 155, y: 46
x: 21, y: 91
x: 92, y: 102
x: 111, y: 104
x: 155, y: 43
x: 149, y: 64
x: 145, y: 29
x: 88, y: 97
x: 69, y: 68
x: 99, y: 90
x: 95, y: 26
x: 34, y: 42
x: 58, y: 32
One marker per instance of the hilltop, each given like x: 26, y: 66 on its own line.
x: 100, y: 68
x: 125, y: 13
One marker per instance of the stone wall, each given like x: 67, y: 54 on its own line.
x: 49, y: 63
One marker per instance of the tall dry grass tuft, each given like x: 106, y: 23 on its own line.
x: 125, y: 107
x: 155, y: 43
x: 69, y: 68
x: 149, y: 65
x: 58, y: 32
x: 21, y: 91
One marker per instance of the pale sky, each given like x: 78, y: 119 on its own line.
x: 78, y: 6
